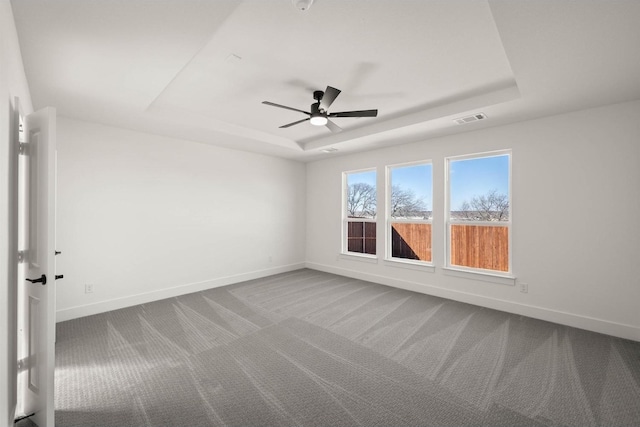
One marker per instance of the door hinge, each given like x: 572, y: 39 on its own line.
x: 22, y: 148
x: 22, y: 256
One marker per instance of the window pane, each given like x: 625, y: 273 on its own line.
x: 411, y: 188
x: 361, y: 195
x: 360, y: 203
x: 361, y: 237
x: 370, y: 238
x: 480, y: 246
x: 411, y: 241
x: 410, y: 199
x: 355, y: 238
x: 479, y: 189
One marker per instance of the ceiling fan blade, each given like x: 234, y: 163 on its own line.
x: 330, y: 95
x: 333, y: 127
x: 295, y: 123
x: 285, y: 107
x: 363, y: 113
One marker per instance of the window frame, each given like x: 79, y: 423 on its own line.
x: 345, y: 217
x: 389, y: 220
x: 451, y: 221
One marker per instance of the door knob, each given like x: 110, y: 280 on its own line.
x: 42, y: 279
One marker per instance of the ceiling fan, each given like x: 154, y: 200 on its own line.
x: 319, y: 116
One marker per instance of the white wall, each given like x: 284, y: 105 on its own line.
x: 143, y: 217
x: 576, y: 239
x: 13, y: 83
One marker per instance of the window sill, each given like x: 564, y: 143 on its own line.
x: 354, y: 256
x: 502, y: 279
x: 420, y: 266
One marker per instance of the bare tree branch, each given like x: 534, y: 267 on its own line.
x: 404, y: 203
x: 361, y: 200
x: 492, y: 206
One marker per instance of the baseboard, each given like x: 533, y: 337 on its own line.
x: 570, y: 319
x: 128, y: 301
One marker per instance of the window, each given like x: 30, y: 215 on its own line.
x: 359, y: 222
x: 409, y: 208
x: 479, y: 212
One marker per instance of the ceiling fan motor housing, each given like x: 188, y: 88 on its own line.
x: 316, y: 110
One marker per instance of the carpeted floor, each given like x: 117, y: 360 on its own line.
x: 25, y: 422
x: 310, y: 348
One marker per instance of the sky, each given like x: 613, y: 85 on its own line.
x: 417, y: 178
x: 368, y: 177
x: 475, y: 177
x: 468, y: 178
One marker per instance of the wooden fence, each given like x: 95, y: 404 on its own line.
x: 476, y: 246
x: 480, y: 246
x: 362, y: 237
x: 411, y: 241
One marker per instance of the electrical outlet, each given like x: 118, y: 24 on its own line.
x: 88, y: 288
x: 524, y: 287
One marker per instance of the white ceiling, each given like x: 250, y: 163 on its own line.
x: 199, y: 69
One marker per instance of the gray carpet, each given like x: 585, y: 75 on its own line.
x: 25, y: 422
x: 308, y: 348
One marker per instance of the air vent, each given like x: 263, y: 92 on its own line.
x: 469, y: 119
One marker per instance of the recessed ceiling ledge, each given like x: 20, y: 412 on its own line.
x: 504, y: 93
x: 202, y: 121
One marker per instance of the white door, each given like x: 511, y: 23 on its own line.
x: 36, y: 310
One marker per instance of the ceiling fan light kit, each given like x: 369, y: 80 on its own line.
x: 319, y: 116
x: 318, y: 120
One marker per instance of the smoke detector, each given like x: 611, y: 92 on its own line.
x: 469, y: 119
x: 302, y: 5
